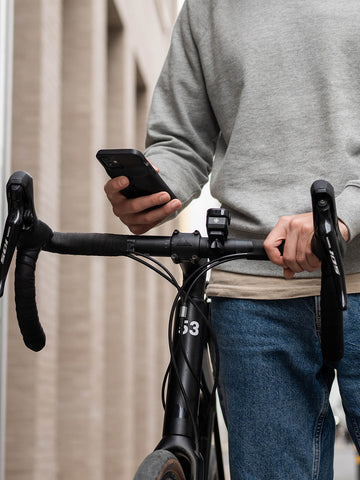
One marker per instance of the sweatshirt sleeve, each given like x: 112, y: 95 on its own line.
x: 182, y: 128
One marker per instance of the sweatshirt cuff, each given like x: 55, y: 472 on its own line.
x: 348, y: 209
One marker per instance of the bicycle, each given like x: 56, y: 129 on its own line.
x: 190, y: 448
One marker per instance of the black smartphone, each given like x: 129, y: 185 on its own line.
x: 143, y: 178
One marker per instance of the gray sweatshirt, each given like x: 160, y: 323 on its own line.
x: 266, y: 95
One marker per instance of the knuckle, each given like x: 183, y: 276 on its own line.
x: 285, y: 219
x: 147, y: 217
x: 287, y: 258
x: 133, y: 229
x: 154, y: 215
x: 301, y: 258
x: 137, y: 229
x: 295, y: 223
x: 154, y: 200
x: 117, y: 211
x: 141, y: 204
x: 267, y: 243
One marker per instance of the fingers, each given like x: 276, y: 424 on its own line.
x: 115, y: 185
x: 142, y: 213
x: 139, y: 219
x: 297, y: 232
x: 298, y: 256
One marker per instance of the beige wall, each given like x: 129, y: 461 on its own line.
x: 87, y: 406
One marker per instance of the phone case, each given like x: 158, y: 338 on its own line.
x: 144, y: 179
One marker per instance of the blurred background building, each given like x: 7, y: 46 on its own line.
x: 88, y: 406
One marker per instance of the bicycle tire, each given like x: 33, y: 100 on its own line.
x: 160, y: 465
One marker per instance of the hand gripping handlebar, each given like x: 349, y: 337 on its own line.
x: 29, y: 235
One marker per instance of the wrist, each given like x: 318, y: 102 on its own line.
x: 344, y: 231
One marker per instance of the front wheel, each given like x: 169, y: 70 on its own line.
x: 160, y: 465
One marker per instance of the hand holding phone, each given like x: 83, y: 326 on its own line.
x: 143, y: 178
x: 138, y: 203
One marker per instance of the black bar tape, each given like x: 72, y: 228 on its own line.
x: 100, y: 244
x: 25, y: 300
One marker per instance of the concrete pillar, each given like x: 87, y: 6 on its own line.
x: 81, y: 308
x: 120, y: 285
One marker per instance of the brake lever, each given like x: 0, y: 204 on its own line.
x: 328, y: 243
x: 329, y: 246
x: 21, y: 216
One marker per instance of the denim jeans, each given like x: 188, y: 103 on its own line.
x: 274, y: 388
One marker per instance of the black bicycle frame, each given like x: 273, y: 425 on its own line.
x: 189, y: 400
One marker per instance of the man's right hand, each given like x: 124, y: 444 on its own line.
x: 134, y: 212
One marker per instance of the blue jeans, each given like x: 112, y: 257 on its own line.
x: 275, y: 389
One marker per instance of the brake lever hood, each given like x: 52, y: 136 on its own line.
x: 21, y: 215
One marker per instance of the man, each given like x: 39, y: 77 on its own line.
x: 266, y: 96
